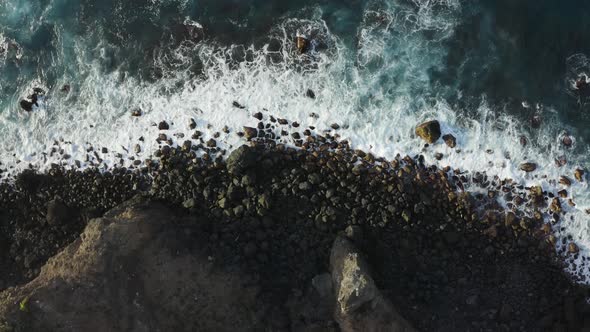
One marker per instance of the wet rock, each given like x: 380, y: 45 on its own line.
x: 136, y: 112
x: 26, y: 105
x: 240, y: 160
x: 302, y: 44
x: 572, y: 248
x: 429, y: 131
x: 211, y: 143
x: 567, y: 141
x: 335, y: 126
x: 163, y: 125
x: 564, y: 180
x: 57, y: 213
x: 560, y: 161
x: 528, y: 167
x: 438, y: 156
x: 555, y: 205
x: 258, y: 115
x: 523, y: 140
x: 579, y: 174
x: 562, y: 193
x: 310, y: 94
x: 137, y: 148
x: 536, y: 121
x: 238, y: 105
x: 450, y: 140
x: 193, y: 124
x: 250, y: 133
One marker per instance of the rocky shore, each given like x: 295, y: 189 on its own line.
x: 265, y: 223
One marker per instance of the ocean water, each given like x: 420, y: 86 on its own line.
x: 483, y: 68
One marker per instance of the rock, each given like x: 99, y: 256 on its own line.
x: 429, y: 131
x: 136, y: 112
x: 163, y: 125
x: 528, y: 167
x: 564, y: 180
x: 562, y: 193
x: 258, y: 115
x: 211, y: 143
x: 186, y: 146
x: 192, y: 124
x: 310, y: 94
x: 189, y: 203
x: 304, y: 186
x: 127, y: 251
x: 137, y: 148
x: 523, y: 140
x: 360, y: 306
x: 567, y: 141
x: 572, y: 248
x: 240, y: 160
x: 57, y: 213
x: 26, y: 105
x: 238, y: 105
x: 250, y: 133
x: 438, y: 156
x: 335, y: 126
x: 302, y: 44
x: 450, y: 140
x: 555, y: 205
x: 579, y: 174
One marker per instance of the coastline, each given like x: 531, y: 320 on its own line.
x: 275, y: 210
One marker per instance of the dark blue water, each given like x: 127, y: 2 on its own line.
x: 484, y: 68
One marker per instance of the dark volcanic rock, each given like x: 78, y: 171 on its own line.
x: 57, y: 213
x: 163, y: 125
x: 240, y: 160
x: 250, y: 133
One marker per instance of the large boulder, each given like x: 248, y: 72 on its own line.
x: 240, y: 160
x: 125, y: 273
x: 429, y: 131
x: 360, y: 306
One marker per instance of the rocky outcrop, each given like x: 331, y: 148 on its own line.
x: 240, y: 160
x: 126, y: 273
x: 360, y: 306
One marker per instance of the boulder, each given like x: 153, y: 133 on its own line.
x: 429, y: 131
x: 240, y: 160
x: 250, y: 133
x: 57, y: 213
x: 163, y: 125
x: 450, y: 140
x: 579, y: 174
x: 360, y: 306
x: 528, y: 167
x: 111, y: 279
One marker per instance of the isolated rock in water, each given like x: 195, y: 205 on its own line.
x: 536, y: 121
x: 528, y: 167
x: 250, y: 133
x: 310, y: 94
x: 579, y: 174
x: 163, y: 125
x: 565, y: 181
x: 360, y: 306
x: 111, y: 279
x: 57, y: 213
x: 450, y: 140
x: 429, y: 131
x: 136, y: 112
x: 240, y: 160
x: 567, y: 141
x: 26, y: 105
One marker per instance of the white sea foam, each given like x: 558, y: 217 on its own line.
x: 368, y: 91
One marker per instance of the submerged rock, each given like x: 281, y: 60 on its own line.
x: 429, y: 131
